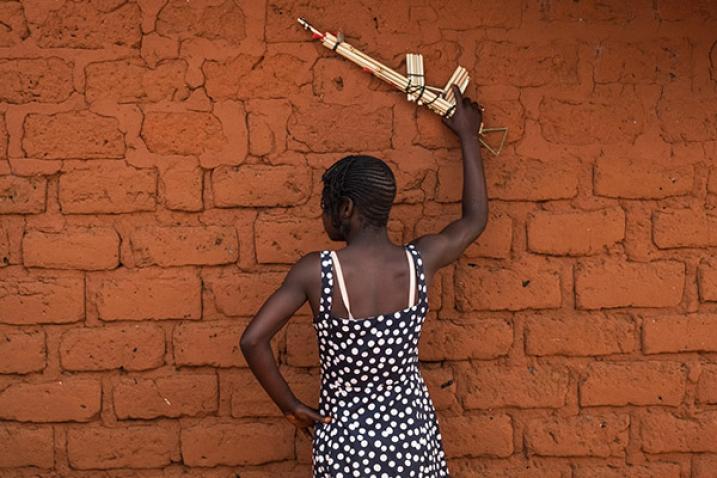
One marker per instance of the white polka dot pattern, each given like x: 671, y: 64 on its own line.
x: 384, y: 422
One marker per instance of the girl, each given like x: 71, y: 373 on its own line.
x: 375, y: 416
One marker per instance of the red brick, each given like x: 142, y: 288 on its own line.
x: 215, y: 442
x: 76, y: 248
x: 441, y: 385
x: 29, y: 296
x: 180, y: 185
x: 613, y: 283
x: 575, y: 232
x: 130, y: 81
x: 144, y: 446
x: 301, y: 345
x: 42, y: 80
x: 3, y: 137
x: 712, y: 182
x: 299, y: 236
x: 648, y: 470
x: 499, y: 385
x: 13, y: 15
x: 88, y: 25
x: 184, y: 245
x: 101, y: 187
x: 526, y: 64
x: 515, y: 179
x: 169, y: 396
x: 656, y: 61
x: 600, y: 119
x: 477, y: 339
x: 183, y: 133
x: 282, y: 67
x: 260, y: 185
x: 64, y: 400
x: 235, y: 293
x: 703, y: 466
x: 137, y: 347
x: 214, y: 343
x: 156, y: 48
x: 606, y: 12
x: 675, y: 10
x: 707, y: 281
x: 72, y: 134
x: 225, y: 20
x: 267, y: 120
x: 477, y: 435
x: 502, y: 108
x: 515, y: 468
x: 633, y: 383
x: 357, y: 127
x: 22, y: 195
x: 336, y: 80
x: 525, y: 285
x: 495, y: 240
x: 22, y: 445
x: 680, y: 333
x: 22, y: 350
x: 687, y: 118
x: 146, y: 293
x: 707, y: 385
x: 603, y: 435
x: 641, y: 179
x: 578, y: 334
x: 245, y: 397
x: 684, y: 228
x: 493, y: 13
x: 664, y: 432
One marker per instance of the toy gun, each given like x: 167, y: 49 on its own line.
x: 438, y: 100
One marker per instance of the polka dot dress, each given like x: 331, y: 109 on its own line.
x: 384, y: 422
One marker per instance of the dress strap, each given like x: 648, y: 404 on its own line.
x: 327, y: 282
x: 342, y: 284
x: 412, y: 269
x: 421, y: 277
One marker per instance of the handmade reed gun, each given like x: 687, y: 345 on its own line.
x: 438, y: 100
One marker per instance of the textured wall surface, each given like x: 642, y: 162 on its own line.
x: 160, y: 166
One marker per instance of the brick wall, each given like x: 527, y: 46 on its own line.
x: 160, y: 169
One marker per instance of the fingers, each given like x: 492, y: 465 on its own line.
x: 457, y: 93
x: 316, y: 416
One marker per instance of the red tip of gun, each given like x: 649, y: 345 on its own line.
x: 367, y: 69
x: 316, y: 36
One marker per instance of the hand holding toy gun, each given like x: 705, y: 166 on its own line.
x: 441, y: 101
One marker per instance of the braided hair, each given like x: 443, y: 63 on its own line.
x: 368, y: 181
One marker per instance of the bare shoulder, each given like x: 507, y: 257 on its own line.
x: 306, y: 270
x: 430, y: 246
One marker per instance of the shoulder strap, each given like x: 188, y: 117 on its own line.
x: 327, y: 283
x: 342, y: 284
x: 420, y: 276
x: 412, y: 288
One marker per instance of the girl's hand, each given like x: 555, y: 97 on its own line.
x: 466, y: 118
x: 304, y: 418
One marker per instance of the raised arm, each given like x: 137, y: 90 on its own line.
x: 439, y: 250
x: 255, y: 342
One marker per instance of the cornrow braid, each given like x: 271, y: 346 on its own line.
x: 367, y: 180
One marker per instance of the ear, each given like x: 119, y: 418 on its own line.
x: 347, y: 206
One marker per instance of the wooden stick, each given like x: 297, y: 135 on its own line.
x: 441, y: 102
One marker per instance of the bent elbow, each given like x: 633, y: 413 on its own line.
x: 247, y: 343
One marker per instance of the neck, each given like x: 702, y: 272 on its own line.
x: 369, y: 237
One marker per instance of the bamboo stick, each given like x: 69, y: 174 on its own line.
x: 435, y: 99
